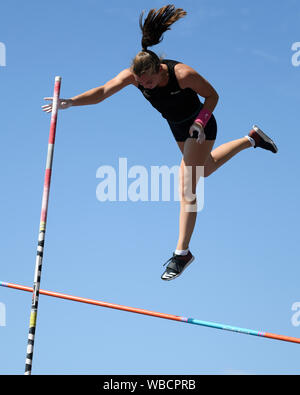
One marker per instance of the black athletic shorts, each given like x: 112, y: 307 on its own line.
x: 181, y: 129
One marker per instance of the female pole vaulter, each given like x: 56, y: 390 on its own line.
x: 173, y: 88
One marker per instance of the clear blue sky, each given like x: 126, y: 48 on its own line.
x: 246, y: 240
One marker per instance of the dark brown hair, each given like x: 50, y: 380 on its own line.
x: 153, y: 27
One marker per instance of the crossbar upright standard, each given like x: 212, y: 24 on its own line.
x: 42, y: 231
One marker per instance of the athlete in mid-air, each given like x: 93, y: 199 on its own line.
x: 173, y: 88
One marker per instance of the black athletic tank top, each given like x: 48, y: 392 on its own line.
x: 175, y: 104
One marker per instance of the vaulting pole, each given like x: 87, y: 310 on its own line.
x: 155, y: 314
x: 42, y: 231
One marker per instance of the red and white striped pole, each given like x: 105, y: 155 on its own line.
x: 42, y: 231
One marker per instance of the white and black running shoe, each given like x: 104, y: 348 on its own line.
x: 176, y: 265
x: 262, y: 140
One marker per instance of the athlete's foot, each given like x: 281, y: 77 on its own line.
x: 177, y: 264
x: 262, y: 140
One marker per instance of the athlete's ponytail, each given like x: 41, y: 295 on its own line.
x: 157, y: 22
x: 153, y: 27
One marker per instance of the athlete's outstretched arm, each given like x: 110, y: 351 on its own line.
x: 101, y: 93
x: 96, y: 95
x: 189, y: 78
